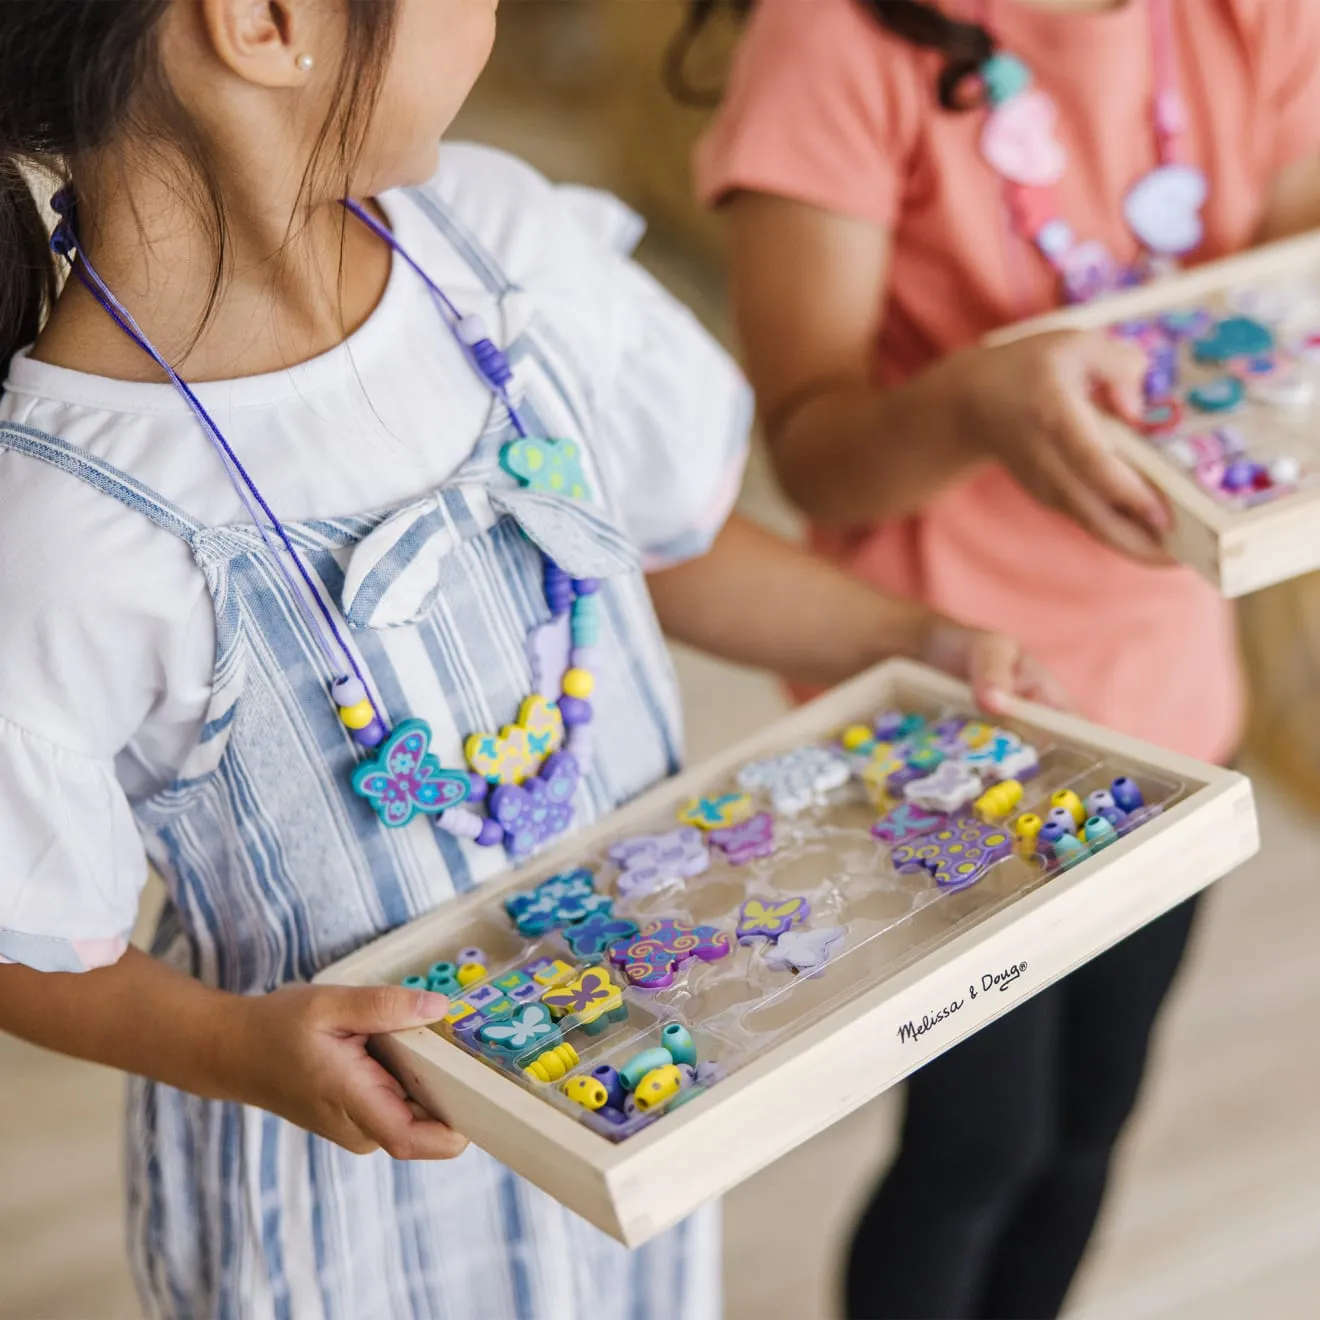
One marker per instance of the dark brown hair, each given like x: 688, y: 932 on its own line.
x: 77, y: 76
x: 965, y: 46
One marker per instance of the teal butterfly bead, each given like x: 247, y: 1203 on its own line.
x: 405, y: 779
x: 552, y: 466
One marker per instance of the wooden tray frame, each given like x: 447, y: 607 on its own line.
x: 1238, y: 551
x: 635, y: 1189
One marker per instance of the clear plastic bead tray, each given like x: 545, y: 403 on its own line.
x: 879, y: 966
x: 1246, y: 539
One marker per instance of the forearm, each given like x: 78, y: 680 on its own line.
x: 852, y: 453
x: 139, y: 1016
x: 761, y: 601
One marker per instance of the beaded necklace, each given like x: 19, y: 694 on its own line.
x: 1162, y: 208
x: 526, y: 774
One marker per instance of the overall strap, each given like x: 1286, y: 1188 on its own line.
x: 101, y: 475
x: 463, y: 241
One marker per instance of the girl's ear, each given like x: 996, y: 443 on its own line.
x: 271, y: 43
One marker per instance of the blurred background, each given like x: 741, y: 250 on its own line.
x: 1215, y: 1209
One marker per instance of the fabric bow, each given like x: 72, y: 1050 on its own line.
x: 396, y: 571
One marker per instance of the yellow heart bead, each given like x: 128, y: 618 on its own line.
x: 580, y: 683
x: 357, y: 717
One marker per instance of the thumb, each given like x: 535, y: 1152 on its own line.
x: 1116, y: 371
x: 992, y: 670
x: 379, y: 1009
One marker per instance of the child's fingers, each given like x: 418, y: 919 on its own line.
x: 1119, y: 368
x: 377, y: 1010
x: 1036, y: 683
x: 992, y: 671
x: 400, y: 1127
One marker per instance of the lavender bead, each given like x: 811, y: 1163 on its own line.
x: 586, y: 586
x: 471, y: 329
x: 477, y: 789
x: 1240, y: 475
x: 348, y: 691
x: 575, y: 711
x: 581, y: 742
x: 460, y: 822
x: 585, y: 657
x: 372, y: 736
x: 1116, y: 816
x: 492, y: 833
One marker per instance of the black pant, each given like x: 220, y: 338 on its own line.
x: 1006, y: 1146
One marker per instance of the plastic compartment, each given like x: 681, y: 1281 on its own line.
x: 856, y: 917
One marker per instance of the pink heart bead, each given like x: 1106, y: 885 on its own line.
x: 1019, y: 143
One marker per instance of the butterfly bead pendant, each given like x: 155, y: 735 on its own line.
x: 405, y: 779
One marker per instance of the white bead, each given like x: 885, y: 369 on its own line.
x: 471, y: 330
x: 1055, y: 238
x: 348, y: 691
x: 1285, y: 471
x: 305, y: 63
x: 1180, y: 452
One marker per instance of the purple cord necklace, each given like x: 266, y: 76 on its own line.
x: 527, y: 773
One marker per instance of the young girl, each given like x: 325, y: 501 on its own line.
x: 298, y: 497
x: 883, y: 222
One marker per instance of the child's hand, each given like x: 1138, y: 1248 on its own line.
x: 995, y: 666
x: 304, y: 1057
x: 1030, y: 405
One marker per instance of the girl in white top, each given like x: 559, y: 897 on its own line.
x: 166, y: 681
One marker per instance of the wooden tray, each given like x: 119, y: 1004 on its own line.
x: 1239, y: 550
x: 904, y: 992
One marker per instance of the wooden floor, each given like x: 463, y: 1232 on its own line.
x: 1215, y: 1209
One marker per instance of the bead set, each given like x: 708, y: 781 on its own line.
x: 639, y: 978
x: 1228, y: 398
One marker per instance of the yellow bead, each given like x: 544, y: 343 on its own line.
x: 997, y: 802
x: 586, y: 1091
x: 975, y: 733
x: 580, y: 683
x: 359, y: 716
x: 553, y: 1064
x: 856, y: 736
x: 470, y: 974
x: 657, y: 1086
x: 1025, y: 830
x: 1065, y: 797
x: 554, y: 973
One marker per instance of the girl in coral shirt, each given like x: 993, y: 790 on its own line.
x: 881, y: 228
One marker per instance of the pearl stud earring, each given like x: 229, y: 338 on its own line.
x: 305, y: 63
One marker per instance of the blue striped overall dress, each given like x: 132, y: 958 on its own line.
x: 274, y: 869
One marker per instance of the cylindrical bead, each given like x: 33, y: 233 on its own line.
x: 469, y: 973
x: 676, y: 1038
x: 639, y: 1065
x: 460, y: 822
x: 657, y: 1086
x: 1063, y: 818
x: 413, y: 983
x: 1099, y: 833
x: 579, y: 683
x: 1126, y: 794
x: 471, y: 955
x: 610, y: 1080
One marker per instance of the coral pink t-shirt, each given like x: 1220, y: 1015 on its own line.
x: 826, y: 107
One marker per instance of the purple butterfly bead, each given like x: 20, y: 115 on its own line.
x: 534, y: 812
